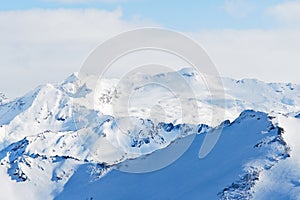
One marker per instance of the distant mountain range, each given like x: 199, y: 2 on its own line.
x: 64, y: 141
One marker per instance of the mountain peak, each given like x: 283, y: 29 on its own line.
x: 57, y: 133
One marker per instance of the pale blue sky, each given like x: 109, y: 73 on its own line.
x: 180, y: 15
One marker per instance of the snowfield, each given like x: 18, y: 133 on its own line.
x: 67, y: 141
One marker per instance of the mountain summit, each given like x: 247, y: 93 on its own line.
x: 65, y: 140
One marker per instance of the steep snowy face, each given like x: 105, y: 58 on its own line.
x: 57, y: 132
x: 49, y: 132
x: 283, y: 180
x: 248, y: 146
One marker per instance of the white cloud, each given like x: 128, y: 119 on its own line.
x: 40, y: 46
x: 269, y: 55
x: 238, y: 8
x: 287, y: 13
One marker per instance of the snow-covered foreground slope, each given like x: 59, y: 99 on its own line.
x: 62, y: 141
x: 247, y: 147
x: 283, y: 181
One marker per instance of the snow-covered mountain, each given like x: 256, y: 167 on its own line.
x: 63, y: 141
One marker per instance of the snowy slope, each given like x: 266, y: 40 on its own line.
x: 56, y: 136
x: 247, y: 147
x: 239, y: 95
x: 283, y: 181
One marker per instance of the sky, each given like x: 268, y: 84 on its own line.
x: 46, y: 40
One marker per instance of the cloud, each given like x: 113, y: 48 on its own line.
x: 287, y: 13
x: 40, y: 46
x: 269, y: 55
x: 238, y: 8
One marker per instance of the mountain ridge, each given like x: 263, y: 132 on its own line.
x: 48, y: 134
